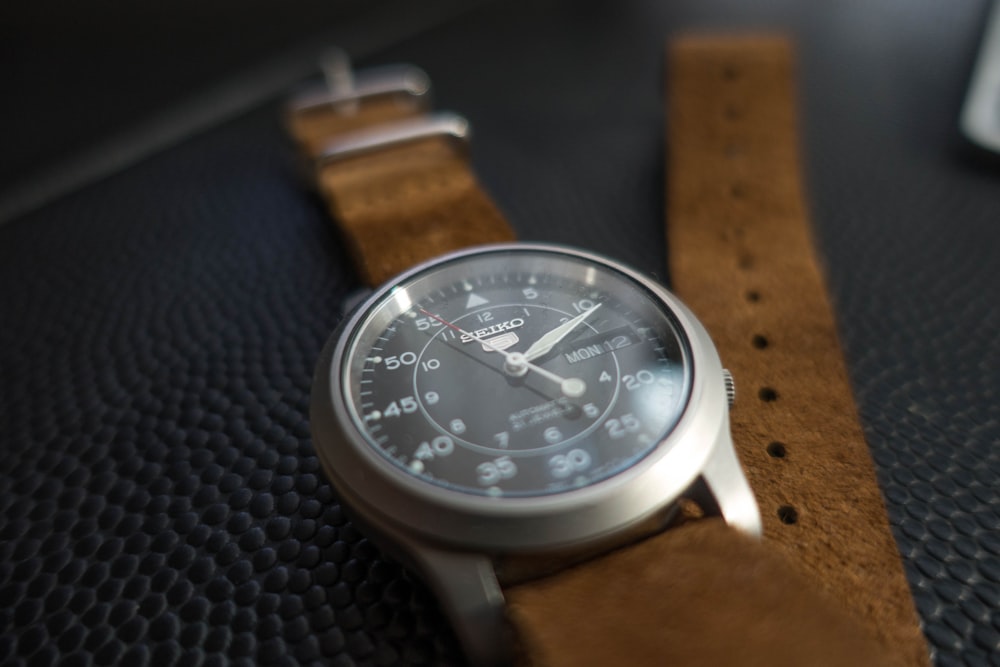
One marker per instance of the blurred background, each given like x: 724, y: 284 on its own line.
x: 118, y: 74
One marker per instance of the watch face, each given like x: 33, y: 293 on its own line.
x: 516, y: 372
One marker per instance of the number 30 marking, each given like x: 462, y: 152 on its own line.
x: 563, y: 465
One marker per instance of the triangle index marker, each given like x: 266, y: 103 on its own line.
x: 475, y: 300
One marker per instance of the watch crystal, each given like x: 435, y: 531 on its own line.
x: 517, y: 373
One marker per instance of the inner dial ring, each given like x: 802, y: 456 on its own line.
x: 541, y: 402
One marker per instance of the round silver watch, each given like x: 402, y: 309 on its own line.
x: 520, y: 400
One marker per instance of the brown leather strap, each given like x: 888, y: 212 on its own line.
x: 313, y: 128
x: 826, y: 586
x: 700, y: 594
x: 403, y: 203
x: 741, y: 257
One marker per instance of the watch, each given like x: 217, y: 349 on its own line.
x: 508, y: 419
x: 505, y: 408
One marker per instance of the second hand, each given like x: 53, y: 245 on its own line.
x: 514, y: 362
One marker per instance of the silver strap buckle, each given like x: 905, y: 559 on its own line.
x: 439, y: 124
x: 344, y: 88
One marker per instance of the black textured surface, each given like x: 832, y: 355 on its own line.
x: 161, y: 501
x: 66, y: 52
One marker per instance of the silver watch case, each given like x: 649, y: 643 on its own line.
x: 459, y: 542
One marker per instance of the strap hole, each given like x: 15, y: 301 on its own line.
x: 734, y: 150
x: 737, y: 191
x: 733, y: 112
x: 731, y: 72
x: 745, y: 262
x: 767, y: 394
x: 788, y: 515
x: 777, y: 450
x: 753, y: 296
x: 759, y: 342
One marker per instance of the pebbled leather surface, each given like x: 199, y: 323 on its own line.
x: 161, y: 501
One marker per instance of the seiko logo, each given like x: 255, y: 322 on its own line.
x: 493, y: 330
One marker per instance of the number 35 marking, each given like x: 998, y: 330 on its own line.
x: 491, y: 472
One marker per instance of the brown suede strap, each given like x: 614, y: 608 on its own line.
x: 315, y: 127
x: 826, y: 586
x: 403, y: 203
x: 741, y: 257
x: 700, y: 594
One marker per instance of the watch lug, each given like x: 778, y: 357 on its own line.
x: 467, y: 587
x: 724, y: 490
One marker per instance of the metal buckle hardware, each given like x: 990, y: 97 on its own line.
x: 439, y: 124
x: 980, y: 121
x: 344, y: 89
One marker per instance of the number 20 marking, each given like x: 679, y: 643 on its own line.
x: 633, y: 382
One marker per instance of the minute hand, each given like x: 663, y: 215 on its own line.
x: 549, y: 340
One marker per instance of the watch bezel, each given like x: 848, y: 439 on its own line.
x: 387, y: 497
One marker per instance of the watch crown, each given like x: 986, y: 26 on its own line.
x: 727, y: 377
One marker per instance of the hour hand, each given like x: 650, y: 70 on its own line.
x: 550, y: 339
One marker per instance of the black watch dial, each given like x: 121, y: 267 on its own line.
x: 517, y: 372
